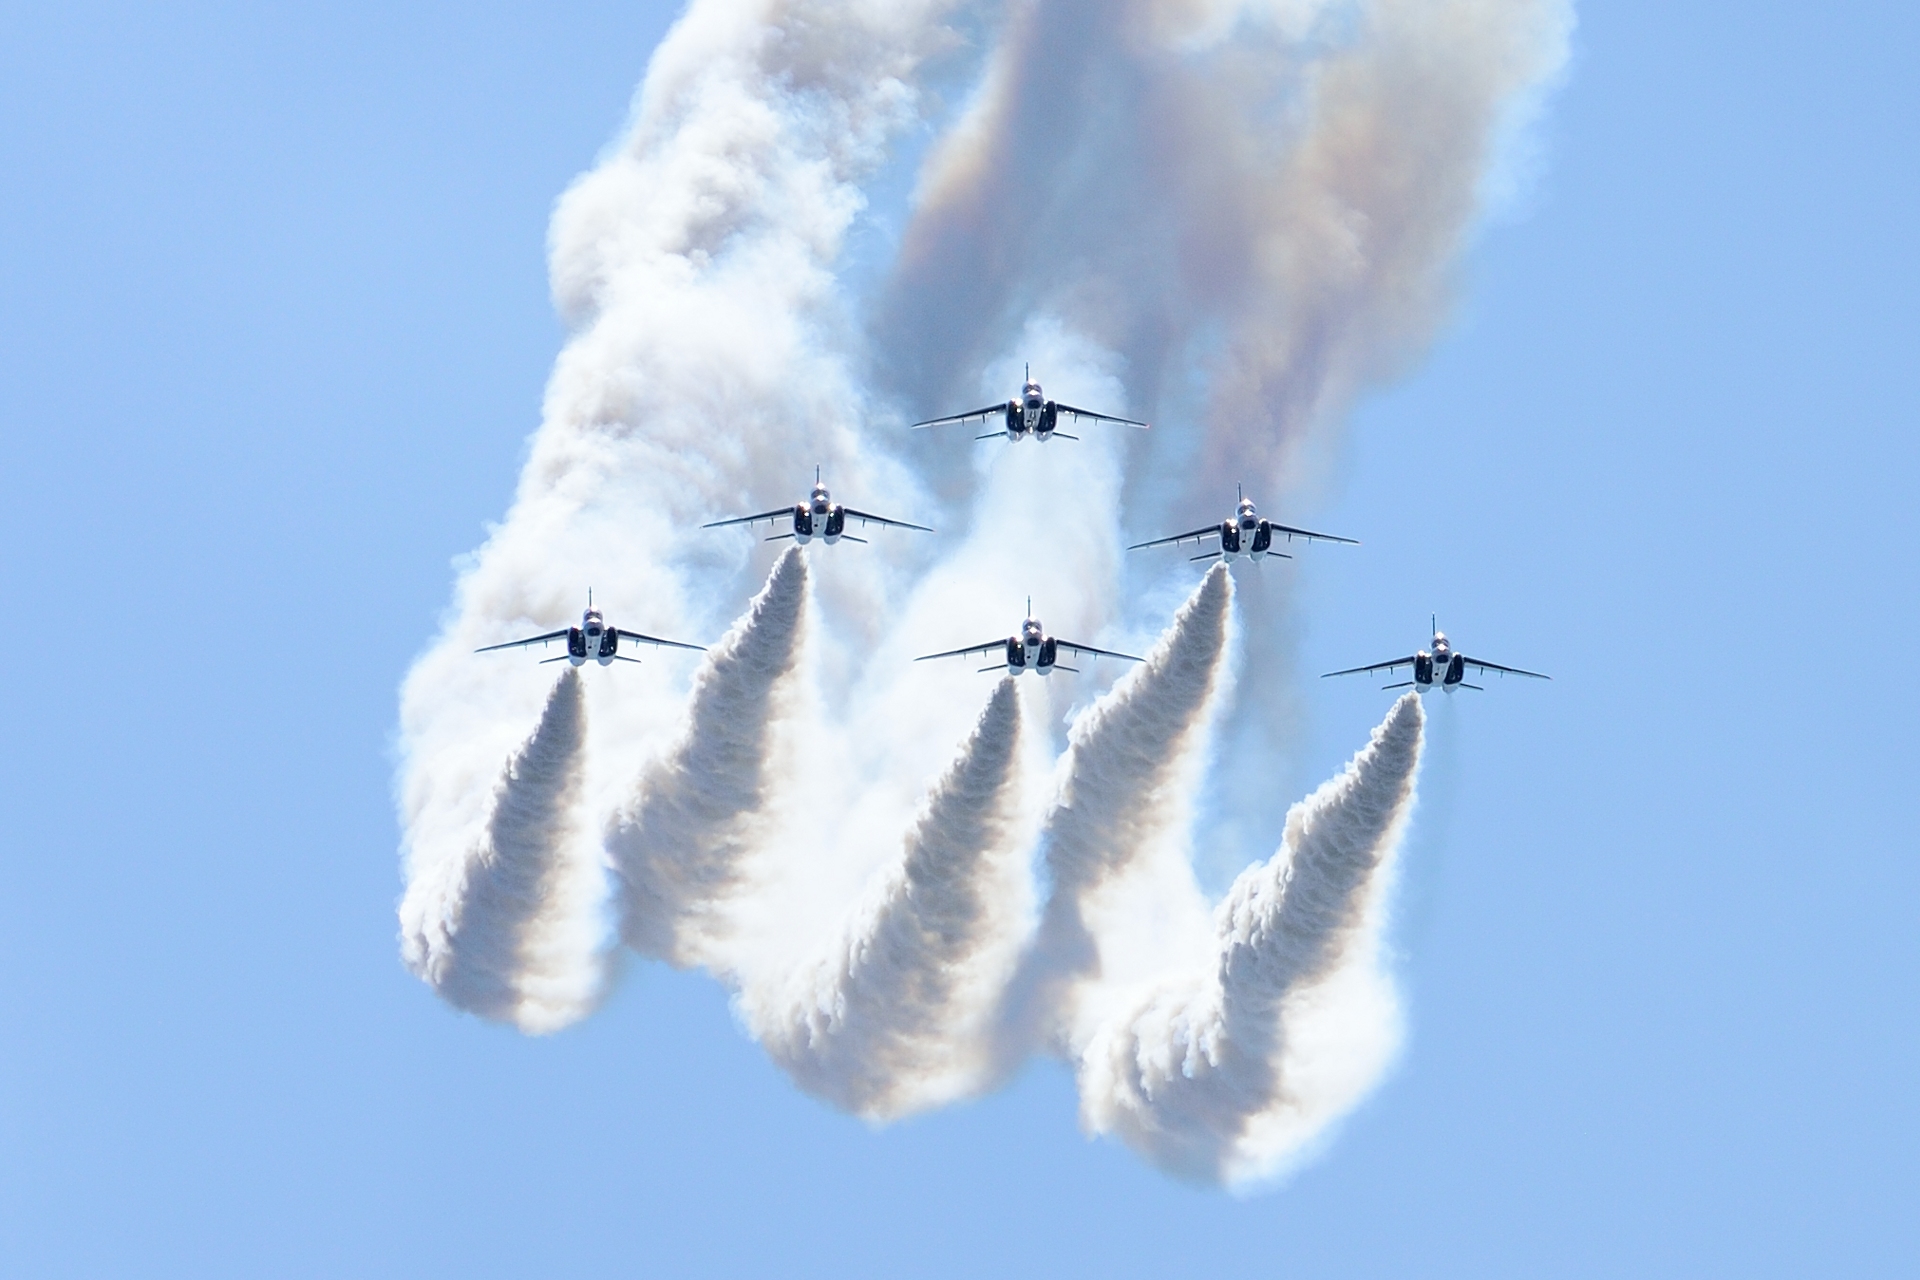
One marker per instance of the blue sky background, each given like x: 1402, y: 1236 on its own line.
x: 275, y: 330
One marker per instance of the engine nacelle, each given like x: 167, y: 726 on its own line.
x: 1229, y: 538
x: 1049, y: 417
x: 836, y: 521
x: 802, y: 521
x: 609, y: 645
x: 1049, y: 651
x: 576, y: 645
x: 1456, y: 670
x: 1422, y: 669
x: 1262, y: 538
x: 1016, y: 654
x: 1016, y: 418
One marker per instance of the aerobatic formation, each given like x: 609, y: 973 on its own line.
x: 913, y: 879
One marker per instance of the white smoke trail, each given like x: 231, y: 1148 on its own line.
x: 1229, y: 1072
x: 512, y: 931
x: 1124, y: 775
x: 893, y: 1019
x: 695, y: 266
x: 678, y: 845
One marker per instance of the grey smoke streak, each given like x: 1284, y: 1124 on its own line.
x: 509, y: 942
x: 1188, y: 1073
x: 890, y: 1021
x: 677, y: 846
x: 1122, y: 757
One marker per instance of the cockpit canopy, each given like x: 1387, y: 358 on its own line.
x: 1439, y: 640
x: 1031, y: 630
x: 593, y: 622
x: 1031, y: 393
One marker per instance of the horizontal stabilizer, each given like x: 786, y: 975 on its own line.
x: 562, y: 658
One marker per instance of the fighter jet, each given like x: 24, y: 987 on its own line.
x: 1031, y: 415
x: 1246, y: 533
x: 1443, y: 663
x: 1031, y: 650
x: 593, y: 638
x: 818, y: 517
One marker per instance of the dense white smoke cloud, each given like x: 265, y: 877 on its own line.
x: 893, y: 1017
x: 511, y: 930
x: 1124, y: 775
x: 678, y: 845
x: 1227, y: 216
x: 1222, y: 1073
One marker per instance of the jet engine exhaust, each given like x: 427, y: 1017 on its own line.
x: 513, y: 934
x: 677, y: 846
x: 1223, y: 1074
x: 891, y: 1020
x: 1122, y: 756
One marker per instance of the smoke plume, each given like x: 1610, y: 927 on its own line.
x: 1121, y: 775
x: 892, y: 1020
x: 678, y: 846
x: 512, y: 930
x: 1228, y: 1071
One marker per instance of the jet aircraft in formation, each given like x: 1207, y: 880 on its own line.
x: 1030, y: 649
x: 818, y: 517
x: 1245, y: 533
x: 593, y: 638
x: 1032, y: 415
x: 1443, y: 665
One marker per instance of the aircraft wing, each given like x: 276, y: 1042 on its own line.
x: 978, y: 415
x: 1309, y: 534
x: 1376, y: 667
x: 656, y: 640
x: 1197, y: 535
x: 561, y: 634
x: 775, y: 514
x: 1089, y: 651
x: 1091, y: 416
x: 990, y: 646
x: 867, y: 517
x: 1484, y: 667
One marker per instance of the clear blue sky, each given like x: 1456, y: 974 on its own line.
x: 275, y: 329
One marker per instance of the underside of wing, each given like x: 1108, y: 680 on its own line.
x: 1197, y: 535
x: 978, y: 415
x: 521, y: 644
x: 1484, y: 667
x: 638, y: 638
x: 867, y: 517
x: 990, y: 646
x: 1310, y: 535
x: 1376, y: 667
x: 1091, y: 416
x: 775, y: 514
x: 1090, y: 651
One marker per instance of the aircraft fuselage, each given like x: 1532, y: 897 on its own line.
x: 818, y: 517
x: 1032, y: 650
x: 592, y: 639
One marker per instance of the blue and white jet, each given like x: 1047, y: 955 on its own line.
x: 1031, y: 649
x: 1031, y: 416
x: 1442, y: 667
x: 592, y: 639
